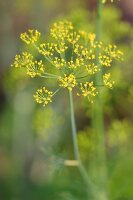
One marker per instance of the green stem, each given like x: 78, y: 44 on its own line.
x: 91, y: 188
x: 56, y: 91
x: 50, y: 77
x: 98, y: 120
x: 51, y: 74
x: 83, y: 76
x: 74, y: 131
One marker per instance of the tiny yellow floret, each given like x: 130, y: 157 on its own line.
x: 36, y: 69
x: 47, y: 49
x: 33, y: 68
x: 60, y: 30
x: 68, y: 81
x: 92, y: 68
x: 88, y: 90
x: 59, y: 62
x: 43, y: 96
x: 30, y: 37
x: 107, y: 82
x: 73, y: 38
x: 23, y: 60
x: 105, y: 60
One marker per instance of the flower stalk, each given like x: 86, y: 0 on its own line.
x: 74, y: 131
x: 90, y: 186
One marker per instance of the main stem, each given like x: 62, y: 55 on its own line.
x: 82, y: 170
x: 74, y: 131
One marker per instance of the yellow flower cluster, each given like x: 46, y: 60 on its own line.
x: 109, y: 54
x: 43, y: 96
x: 61, y: 30
x: 30, y: 37
x: 104, y: 1
x: 23, y: 60
x: 88, y: 90
x: 113, y: 52
x: 72, y: 56
x: 67, y: 81
x: 73, y: 38
x: 107, y: 82
x: 60, y: 48
x: 36, y: 69
x: 33, y: 68
x: 105, y: 60
x: 59, y: 62
x: 46, y: 49
x: 92, y: 37
x: 89, y: 36
x: 92, y: 68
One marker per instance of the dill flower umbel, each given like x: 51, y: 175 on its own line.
x: 33, y: 68
x: 30, y: 37
x: 25, y: 59
x: 43, y: 96
x: 67, y: 81
x: 72, y: 56
x: 88, y: 90
x: 107, y: 81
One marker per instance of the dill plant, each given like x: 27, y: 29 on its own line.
x: 76, y: 57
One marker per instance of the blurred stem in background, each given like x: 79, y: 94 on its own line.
x: 98, y: 121
x: 91, y: 189
x: 22, y: 142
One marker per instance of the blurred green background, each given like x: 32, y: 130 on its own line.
x: 36, y: 141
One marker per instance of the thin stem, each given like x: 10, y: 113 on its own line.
x: 82, y: 170
x: 83, y: 76
x: 74, y: 131
x: 51, y: 74
x: 56, y: 91
x: 50, y: 77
